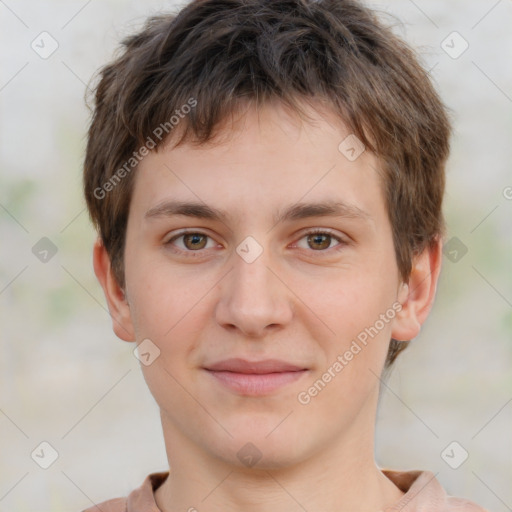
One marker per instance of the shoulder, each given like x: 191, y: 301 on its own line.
x: 422, y: 492
x: 113, y: 505
x: 454, y: 504
x: 141, y: 498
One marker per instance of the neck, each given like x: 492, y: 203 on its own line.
x: 339, y: 478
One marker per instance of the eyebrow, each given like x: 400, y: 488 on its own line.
x: 332, y: 208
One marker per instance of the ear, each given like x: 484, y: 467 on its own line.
x: 417, y: 295
x: 117, y: 304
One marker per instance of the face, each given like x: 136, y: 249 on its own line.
x: 271, y: 297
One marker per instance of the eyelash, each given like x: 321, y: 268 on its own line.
x: 341, y: 244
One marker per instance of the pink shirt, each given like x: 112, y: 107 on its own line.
x: 423, y: 493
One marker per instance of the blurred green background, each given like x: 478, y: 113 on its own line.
x: 67, y: 380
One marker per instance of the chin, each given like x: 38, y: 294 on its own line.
x: 259, y: 444
x: 257, y: 456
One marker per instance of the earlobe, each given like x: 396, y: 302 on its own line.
x: 118, y: 306
x: 417, y: 295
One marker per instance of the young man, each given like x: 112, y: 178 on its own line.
x: 266, y: 178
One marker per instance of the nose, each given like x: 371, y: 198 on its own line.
x: 254, y: 300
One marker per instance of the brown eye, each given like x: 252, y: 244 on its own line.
x: 189, y: 242
x: 319, y: 240
x: 194, y: 241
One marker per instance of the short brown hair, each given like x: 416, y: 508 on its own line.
x: 222, y: 53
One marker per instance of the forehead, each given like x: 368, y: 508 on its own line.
x: 263, y: 158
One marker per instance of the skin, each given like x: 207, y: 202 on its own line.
x: 303, y: 300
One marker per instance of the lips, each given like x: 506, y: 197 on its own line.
x: 237, y: 365
x: 254, y: 378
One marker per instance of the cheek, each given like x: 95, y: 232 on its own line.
x: 172, y: 307
x: 358, y: 312
x: 159, y: 297
x: 168, y: 310
x: 352, y: 358
x: 163, y: 308
x: 349, y: 300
